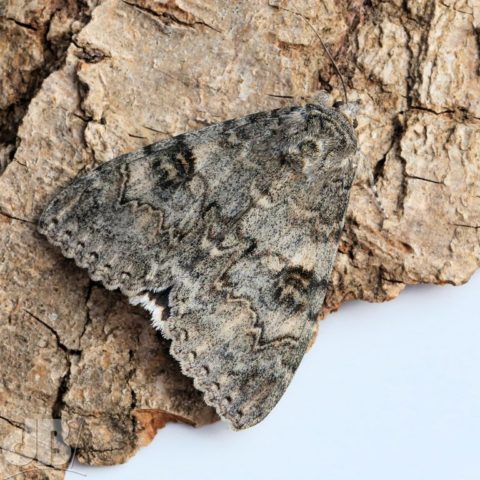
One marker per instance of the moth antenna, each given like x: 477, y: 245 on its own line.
x: 327, y: 51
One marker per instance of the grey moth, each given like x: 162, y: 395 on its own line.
x: 227, y: 235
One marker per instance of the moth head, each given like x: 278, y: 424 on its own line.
x: 350, y: 110
x: 325, y: 100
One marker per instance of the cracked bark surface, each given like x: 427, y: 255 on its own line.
x: 34, y: 37
x: 123, y: 74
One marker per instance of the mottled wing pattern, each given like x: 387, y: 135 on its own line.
x: 228, y: 236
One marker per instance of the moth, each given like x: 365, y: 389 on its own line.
x: 227, y: 235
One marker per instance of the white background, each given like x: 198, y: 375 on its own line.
x: 389, y: 391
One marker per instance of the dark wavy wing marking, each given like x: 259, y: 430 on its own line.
x: 235, y: 227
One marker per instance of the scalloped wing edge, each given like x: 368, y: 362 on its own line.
x: 212, y: 397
